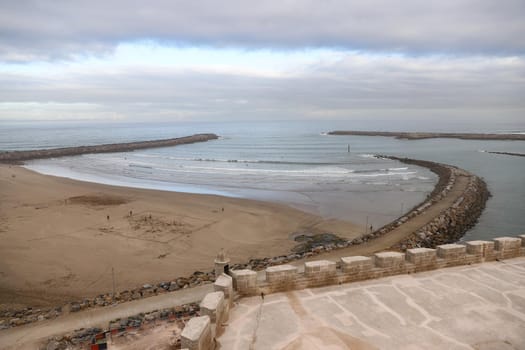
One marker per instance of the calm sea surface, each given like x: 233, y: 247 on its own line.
x: 291, y: 162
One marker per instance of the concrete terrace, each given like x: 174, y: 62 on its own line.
x: 478, y: 306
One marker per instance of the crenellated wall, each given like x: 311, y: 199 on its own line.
x: 356, y: 268
x: 200, y: 332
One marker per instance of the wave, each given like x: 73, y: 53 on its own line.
x: 364, y: 171
x: 249, y: 161
x: 365, y: 155
x: 318, y: 172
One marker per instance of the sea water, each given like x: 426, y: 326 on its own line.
x: 295, y: 163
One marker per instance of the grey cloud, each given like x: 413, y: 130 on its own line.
x: 461, y: 85
x: 46, y: 30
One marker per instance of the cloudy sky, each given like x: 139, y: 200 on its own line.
x: 262, y: 60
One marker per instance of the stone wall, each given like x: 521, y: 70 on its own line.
x: 356, y: 268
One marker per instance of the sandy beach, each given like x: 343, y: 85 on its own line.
x: 61, y: 238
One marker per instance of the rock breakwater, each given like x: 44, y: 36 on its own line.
x: 20, y: 156
x: 508, y: 153
x: 129, y: 327
x: 432, y: 135
x: 454, y: 221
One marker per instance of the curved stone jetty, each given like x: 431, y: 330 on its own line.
x: 453, y: 222
x: 20, y: 156
x: 432, y: 135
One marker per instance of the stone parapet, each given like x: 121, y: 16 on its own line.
x: 421, y: 257
x: 319, y: 268
x: 356, y: 264
x: 281, y: 273
x: 451, y: 251
x: 213, y: 306
x: 196, y: 335
x: 507, y: 247
x: 224, y: 283
x: 483, y: 249
x: 358, y: 268
x: 245, y: 281
x: 389, y: 259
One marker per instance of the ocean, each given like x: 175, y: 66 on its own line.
x: 294, y: 163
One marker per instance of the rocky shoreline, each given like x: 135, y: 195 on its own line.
x: 432, y: 135
x: 13, y: 318
x: 448, y: 227
x: 82, y: 338
x: 20, y: 156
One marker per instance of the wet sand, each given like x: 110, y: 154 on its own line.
x: 59, y: 244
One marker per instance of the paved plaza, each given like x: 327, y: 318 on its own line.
x: 480, y: 306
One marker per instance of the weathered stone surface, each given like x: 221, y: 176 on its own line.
x: 356, y: 263
x: 482, y: 248
x: 281, y: 273
x: 325, y: 267
x: 224, y: 283
x: 502, y: 243
x: 244, y: 281
x: 389, y: 259
x: 213, y: 305
x: 197, y: 334
x: 421, y: 255
x: 451, y: 251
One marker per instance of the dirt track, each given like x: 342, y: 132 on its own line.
x: 30, y: 336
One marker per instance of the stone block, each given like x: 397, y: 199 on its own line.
x: 224, y: 283
x: 505, y: 243
x: 356, y: 263
x: 244, y: 281
x: 522, y: 237
x: 213, y: 306
x: 281, y: 273
x: 451, y: 251
x: 421, y: 256
x: 507, y: 247
x: 319, y: 268
x: 389, y: 259
x: 197, y: 334
x: 481, y: 248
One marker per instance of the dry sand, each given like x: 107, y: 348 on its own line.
x: 58, y: 243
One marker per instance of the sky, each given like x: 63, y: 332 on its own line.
x: 173, y: 60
